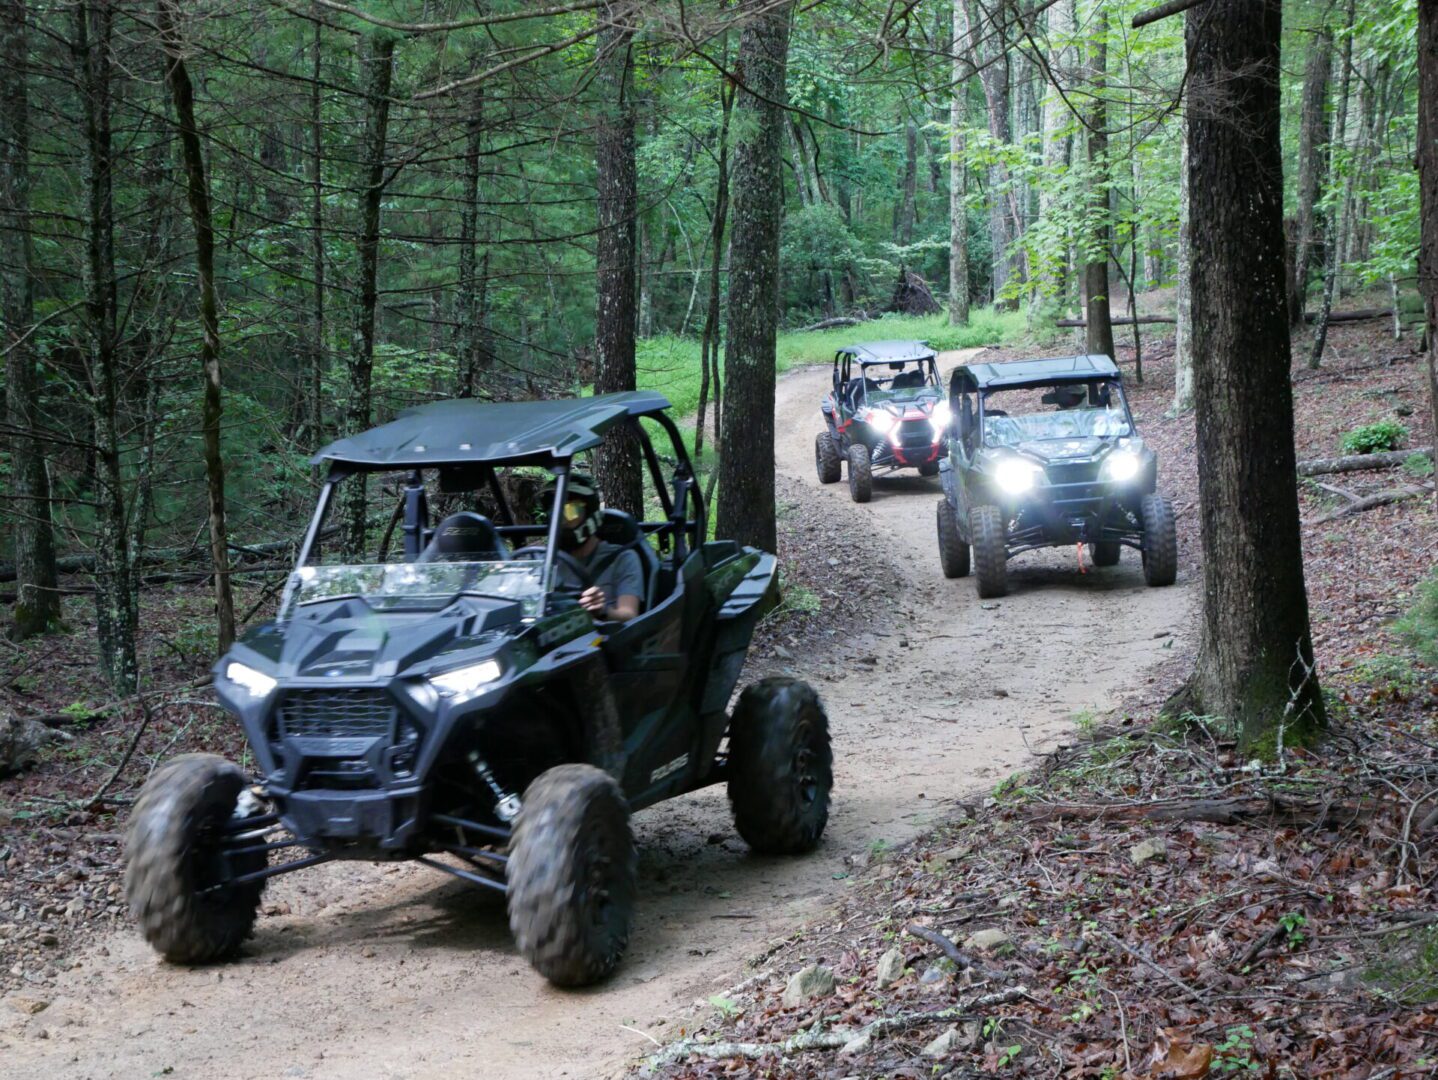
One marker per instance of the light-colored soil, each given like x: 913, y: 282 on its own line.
x: 388, y: 972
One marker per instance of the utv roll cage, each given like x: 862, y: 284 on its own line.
x: 444, y: 437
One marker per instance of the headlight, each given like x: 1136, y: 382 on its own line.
x: 881, y: 420
x: 464, y: 683
x: 940, y: 419
x: 1015, y: 476
x: 1120, y: 466
x: 255, y: 683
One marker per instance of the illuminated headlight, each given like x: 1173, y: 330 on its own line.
x: 464, y: 683
x: 1120, y: 466
x: 255, y: 683
x: 940, y: 419
x: 881, y: 420
x: 1015, y: 476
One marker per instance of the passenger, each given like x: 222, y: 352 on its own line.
x: 617, y: 578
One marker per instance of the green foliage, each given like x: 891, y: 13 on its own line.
x: 1418, y: 465
x: 1374, y: 438
x: 1234, y: 1055
x: 1419, y: 628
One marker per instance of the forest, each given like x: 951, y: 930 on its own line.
x: 234, y: 231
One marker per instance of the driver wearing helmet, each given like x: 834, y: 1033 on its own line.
x: 616, y: 578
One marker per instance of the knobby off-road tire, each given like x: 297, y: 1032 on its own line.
x: 781, y: 768
x: 953, y: 551
x: 1160, y: 541
x: 571, y: 871
x: 991, y: 561
x: 827, y: 462
x: 861, y: 475
x: 929, y: 468
x: 172, y: 855
x: 1105, y: 552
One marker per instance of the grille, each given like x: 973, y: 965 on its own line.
x: 1079, y: 473
x: 336, y: 713
x: 916, y: 433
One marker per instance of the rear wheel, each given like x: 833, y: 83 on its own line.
x: 861, y: 476
x: 991, y: 557
x: 1160, y: 541
x: 571, y: 873
x: 175, y: 866
x: 780, y: 766
x: 827, y: 462
x: 1104, y: 553
x: 953, y: 551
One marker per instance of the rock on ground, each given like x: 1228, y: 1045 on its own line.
x: 810, y: 982
x: 21, y: 741
x: 891, y: 968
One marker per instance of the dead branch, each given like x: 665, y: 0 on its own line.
x: 830, y: 324
x: 145, y: 715
x: 1378, y: 498
x: 1388, y: 459
x: 952, y: 951
x: 1172, y: 979
x: 814, y: 1039
x: 1241, y: 810
x: 1126, y: 320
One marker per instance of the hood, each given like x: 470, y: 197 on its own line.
x: 346, y: 639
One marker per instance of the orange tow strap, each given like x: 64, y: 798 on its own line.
x: 1082, y: 568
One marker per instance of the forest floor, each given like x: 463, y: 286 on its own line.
x: 1143, y: 901
x: 929, y: 693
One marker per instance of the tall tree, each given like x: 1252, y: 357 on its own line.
x: 115, y: 614
x: 37, y: 604
x: 377, y: 66
x: 746, y: 451
x: 1338, y: 215
x: 1255, y: 662
x: 471, y: 333
x: 959, y: 168
x: 709, y: 381
x: 1312, y: 135
x: 318, y: 353
x: 1005, y: 217
x: 617, y: 459
x: 1183, y: 290
x: 197, y: 192
x: 1097, y: 312
x: 1428, y: 191
x: 1056, y: 141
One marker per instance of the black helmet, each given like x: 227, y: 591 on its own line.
x: 580, y: 514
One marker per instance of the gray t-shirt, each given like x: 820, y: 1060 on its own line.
x: 619, y: 574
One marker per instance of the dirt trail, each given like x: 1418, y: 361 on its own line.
x: 394, y: 972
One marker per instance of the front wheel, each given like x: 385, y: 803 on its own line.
x: 991, y: 556
x: 953, y: 551
x: 929, y: 468
x: 781, y: 767
x: 827, y: 462
x: 571, y: 872
x: 861, y: 474
x: 177, y: 872
x: 1160, y: 541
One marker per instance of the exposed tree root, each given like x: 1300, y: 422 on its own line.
x: 1241, y: 810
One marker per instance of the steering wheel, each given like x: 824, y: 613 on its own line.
x: 535, y: 552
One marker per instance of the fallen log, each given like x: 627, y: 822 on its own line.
x: 1388, y: 459
x: 1238, y: 810
x: 830, y: 324
x: 1360, y: 315
x: 84, y: 564
x: 1125, y: 320
x: 1379, y: 498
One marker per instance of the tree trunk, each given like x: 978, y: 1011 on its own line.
x: 1333, y: 254
x: 318, y: 353
x: 1428, y: 192
x: 709, y: 338
x: 1057, y: 143
x: 377, y: 66
x: 1255, y: 657
x: 1312, y: 132
x: 959, y: 170
x: 1183, y: 298
x: 746, y: 461
x: 197, y: 192
x: 1005, y: 221
x: 905, y: 208
x: 1099, y: 334
x: 37, y: 603
x: 470, y: 334
x: 616, y: 462
x: 115, y: 615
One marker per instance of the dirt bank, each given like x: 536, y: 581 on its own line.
x: 366, y: 972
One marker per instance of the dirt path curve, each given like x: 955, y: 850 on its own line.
x: 362, y: 972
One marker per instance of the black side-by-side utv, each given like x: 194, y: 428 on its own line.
x: 457, y: 707
x: 1044, y: 453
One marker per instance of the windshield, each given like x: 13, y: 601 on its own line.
x: 418, y: 586
x: 1079, y: 411
x: 900, y: 381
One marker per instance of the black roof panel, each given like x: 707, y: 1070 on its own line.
x: 872, y: 352
x: 466, y: 430
x: 1038, y: 372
